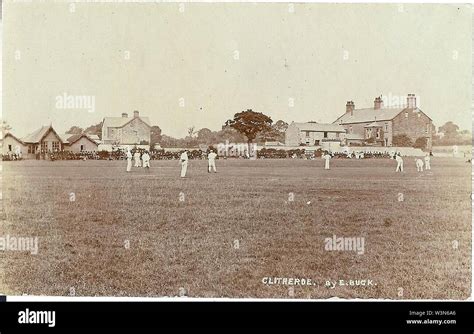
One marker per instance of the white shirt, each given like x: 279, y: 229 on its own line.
x: 399, y: 158
x: 129, y: 155
x: 212, y: 156
x: 145, y: 157
x: 184, y: 156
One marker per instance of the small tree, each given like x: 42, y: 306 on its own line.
x: 402, y: 141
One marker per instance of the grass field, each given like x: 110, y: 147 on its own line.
x: 182, y: 232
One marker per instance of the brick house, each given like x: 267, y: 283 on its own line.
x: 126, y: 131
x: 378, y: 125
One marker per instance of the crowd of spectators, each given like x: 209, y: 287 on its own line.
x: 264, y: 153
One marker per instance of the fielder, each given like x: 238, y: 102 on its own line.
x: 184, y: 163
x: 419, y: 165
x: 146, y: 160
x: 212, y: 161
x: 427, y: 162
x: 326, y: 157
x: 136, y: 157
x: 399, y: 160
x: 129, y: 160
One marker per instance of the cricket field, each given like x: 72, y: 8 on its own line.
x: 104, y: 232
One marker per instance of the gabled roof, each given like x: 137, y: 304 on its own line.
x: 71, y: 140
x: 120, y: 122
x: 319, y: 127
x: 39, y: 134
x: 9, y: 134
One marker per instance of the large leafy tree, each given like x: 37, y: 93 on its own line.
x: 250, y: 123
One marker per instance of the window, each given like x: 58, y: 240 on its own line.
x: 368, y: 133
x: 82, y: 148
x: 111, y: 132
x: 350, y: 129
x: 31, y: 149
x: 378, y: 133
x: 406, y: 114
x: 419, y: 115
x: 44, y: 146
x: 307, y: 133
x: 9, y: 147
x: 55, y: 146
x: 428, y: 128
x: 386, y: 127
x: 325, y: 134
x: 337, y: 134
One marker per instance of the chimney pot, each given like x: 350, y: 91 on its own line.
x: 124, y: 115
x: 136, y: 113
x: 378, y: 103
x: 411, y: 101
x: 350, y: 107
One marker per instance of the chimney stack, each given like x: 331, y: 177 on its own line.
x: 136, y: 113
x: 411, y: 101
x: 378, y: 103
x: 124, y: 115
x: 350, y: 106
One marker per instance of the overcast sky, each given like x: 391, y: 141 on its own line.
x: 297, y: 63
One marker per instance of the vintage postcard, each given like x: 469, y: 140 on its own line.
x: 236, y: 150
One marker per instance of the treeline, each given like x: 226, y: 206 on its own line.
x: 246, y: 126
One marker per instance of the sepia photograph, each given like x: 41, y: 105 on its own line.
x: 236, y: 150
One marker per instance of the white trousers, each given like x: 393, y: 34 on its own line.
x: 129, y: 165
x: 137, y: 163
x: 427, y: 165
x: 399, y: 167
x: 184, y: 168
x: 146, y: 164
x: 212, y: 164
x: 326, y: 165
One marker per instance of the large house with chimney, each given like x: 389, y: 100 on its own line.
x: 126, y: 130
x: 379, y: 125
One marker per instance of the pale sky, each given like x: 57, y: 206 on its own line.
x: 298, y: 65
